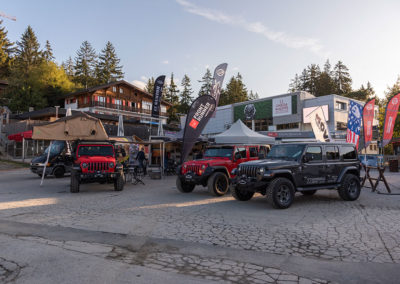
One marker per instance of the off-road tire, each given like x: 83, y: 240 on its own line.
x: 350, y: 188
x: 119, y: 183
x: 218, y: 184
x: 308, y: 192
x: 280, y: 193
x: 74, y: 186
x: 183, y: 186
x: 59, y: 172
x: 241, y: 194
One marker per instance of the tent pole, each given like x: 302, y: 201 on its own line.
x: 47, y: 160
x: 23, y: 149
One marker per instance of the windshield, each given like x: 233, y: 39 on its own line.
x: 286, y: 152
x: 56, y: 148
x: 96, y: 150
x: 219, y: 152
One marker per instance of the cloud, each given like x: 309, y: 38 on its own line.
x: 141, y: 85
x: 295, y: 42
x: 165, y: 62
x: 144, y: 78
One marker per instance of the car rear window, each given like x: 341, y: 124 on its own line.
x: 332, y: 153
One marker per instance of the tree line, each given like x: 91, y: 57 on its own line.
x: 234, y: 92
x: 36, y: 80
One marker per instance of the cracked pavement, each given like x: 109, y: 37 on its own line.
x: 320, y: 230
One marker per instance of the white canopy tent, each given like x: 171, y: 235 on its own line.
x: 239, y: 133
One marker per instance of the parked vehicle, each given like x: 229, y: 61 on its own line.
x: 372, y: 160
x: 96, y: 162
x: 60, y: 160
x: 303, y: 167
x: 214, y: 169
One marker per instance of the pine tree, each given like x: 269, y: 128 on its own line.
x: 314, y: 72
x: 295, y: 84
x: 342, y: 79
x: 108, y: 68
x: 48, y: 52
x: 28, y: 54
x: 304, y: 80
x: 150, y: 85
x: 171, y: 96
x: 206, y: 81
x: 69, y: 67
x: 6, y: 52
x: 253, y: 96
x: 85, y: 64
x: 235, y: 92
x: 328, y: 68
x: 186, y: 95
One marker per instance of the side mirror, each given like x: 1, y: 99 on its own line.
x: 237, y: 156
x: 261, y: 156
x: 305, y: 159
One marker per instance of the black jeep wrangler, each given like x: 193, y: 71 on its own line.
x: 303, y: 167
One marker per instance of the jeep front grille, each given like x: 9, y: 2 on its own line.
x: 193, y: 168
x: 250, y: 171
x: 98, y: 166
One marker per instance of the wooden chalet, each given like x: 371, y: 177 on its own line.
x: 115, y: 98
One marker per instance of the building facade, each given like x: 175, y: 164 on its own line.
x: 285, y: 116
x: 116, y: 98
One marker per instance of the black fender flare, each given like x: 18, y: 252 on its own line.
x: 285, y: 172
x: 345, y: 171
x: 219, y: 168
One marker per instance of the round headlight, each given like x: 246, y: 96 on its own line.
x: 184, y: 166
x: 84, y: 165
x: 203, y: 167
x: 111, y: 164
x: 262, y: 170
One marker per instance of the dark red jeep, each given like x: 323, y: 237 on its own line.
x: 96, y: 162
x: 214, y: 169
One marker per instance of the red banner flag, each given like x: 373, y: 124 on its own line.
x: 390, y: 117
x: 368, y: 118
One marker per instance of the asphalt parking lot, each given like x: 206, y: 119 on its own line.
x: 154, y: 234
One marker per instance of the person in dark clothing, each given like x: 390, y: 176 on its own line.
x: 141, y: 159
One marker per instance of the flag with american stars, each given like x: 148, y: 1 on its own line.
x: 354, y: 123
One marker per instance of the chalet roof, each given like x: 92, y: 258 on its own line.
x: 99, y: 87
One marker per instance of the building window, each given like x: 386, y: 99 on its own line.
x: 287, y: 126
x: 146, y: 105
x: 259, y: 124
x: 101, y: 100
x: 163, y: 109
x: 121, y: 91
x: 114, y: 89
x: 371, y: 147
x: 85, y: 99
x: 375, y: 147
x: 341, y: 126
x: 341, y: 105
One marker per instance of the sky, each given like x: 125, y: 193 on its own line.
x: 268, y: 42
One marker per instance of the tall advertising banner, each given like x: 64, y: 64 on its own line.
x: 199, y: 113
x: 218, y: 79
x: 390, y: 118
x: 157, y: 93
x: 319, y: 125
x: 354, y: 123
x: 368, y: 118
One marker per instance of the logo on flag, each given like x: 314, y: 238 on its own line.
x: 354, y: 123
x: 368, y: 117
x: 319, y: 125
x: 193, y: 123
x: 390, y: 118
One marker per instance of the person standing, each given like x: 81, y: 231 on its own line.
x: 141, y: 159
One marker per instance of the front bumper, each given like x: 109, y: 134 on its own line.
x: 38, y: 169
x: 249, y: 183
x: 98, y: 176
x: 193, y: 178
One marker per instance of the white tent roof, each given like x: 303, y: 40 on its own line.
x: 239, y: 133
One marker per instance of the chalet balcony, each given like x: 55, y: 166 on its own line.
x: 118, y: 107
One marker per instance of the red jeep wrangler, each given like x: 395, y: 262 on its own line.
x: 95, y: 162
x: 214, y: 170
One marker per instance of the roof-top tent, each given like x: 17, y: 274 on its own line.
x: 239, y: 133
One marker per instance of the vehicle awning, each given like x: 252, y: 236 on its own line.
x: 19, y: 136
